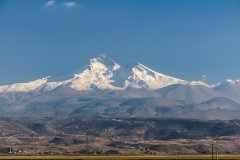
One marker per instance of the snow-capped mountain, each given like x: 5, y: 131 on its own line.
x: 24, y: 87
x: 104, y: 73
x: 137, y: 75
x: 98, y: 74
x: 103, y: 85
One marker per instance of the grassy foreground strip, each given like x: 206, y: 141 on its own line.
x: 124, y: 157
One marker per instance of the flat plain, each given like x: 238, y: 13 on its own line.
x: 123, y: 157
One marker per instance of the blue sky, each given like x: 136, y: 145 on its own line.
x: 182, y: 38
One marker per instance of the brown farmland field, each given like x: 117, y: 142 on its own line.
x: 124, y: 157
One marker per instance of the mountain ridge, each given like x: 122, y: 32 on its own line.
x: 105, y: 88
x: 103, y: 72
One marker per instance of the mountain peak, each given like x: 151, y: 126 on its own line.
x: 140, y: 76
x: 98, y: 74
x: 139, y: 66
x: 103, y: 61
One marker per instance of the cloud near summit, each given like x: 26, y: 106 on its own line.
x: 69, y: 4
x: 49, y: 3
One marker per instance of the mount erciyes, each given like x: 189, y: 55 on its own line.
x: 103, y: 73
x: 104, y: 88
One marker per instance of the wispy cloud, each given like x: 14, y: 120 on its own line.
x: 69, y: 4
x: 49, y: 3
x: 204, y: 77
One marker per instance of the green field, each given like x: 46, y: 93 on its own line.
x: 125, y: 157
